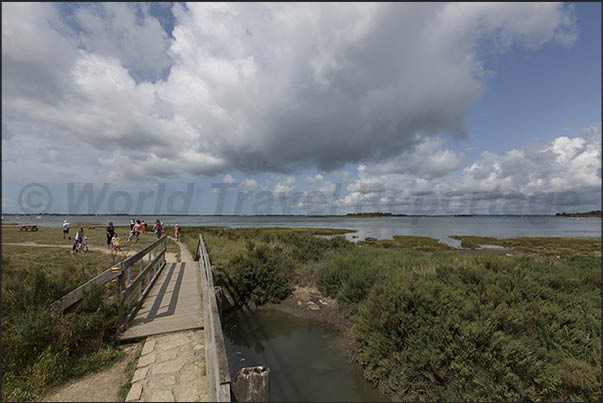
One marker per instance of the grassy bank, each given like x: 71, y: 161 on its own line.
x: 538, y: 246
x: 434, y: 323
x: 42, y: 349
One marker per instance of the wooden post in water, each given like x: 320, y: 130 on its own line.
x: 251, y: 384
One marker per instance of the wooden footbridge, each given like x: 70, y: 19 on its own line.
x: 158, y: 297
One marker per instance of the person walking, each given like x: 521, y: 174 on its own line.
x: 158, y: 229
x: 144, y: 227
x: 110, y: 233
x: 135, y: 231
x: 131, y: 224
x: 65, y: 228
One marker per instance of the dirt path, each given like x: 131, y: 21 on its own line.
x: 96, y: 248
x: 170, y: 256
x: 185, y: 255
x: 102, y: 386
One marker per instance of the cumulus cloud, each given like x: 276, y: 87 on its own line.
x: 250, y: 184
x: 285, y: 186
x: 566, y: 170
x: 427, y: 160
x: 257, y: 87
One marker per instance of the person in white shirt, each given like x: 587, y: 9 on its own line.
x: 65, y: 228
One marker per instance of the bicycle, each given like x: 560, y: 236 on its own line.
x: 82, y: 246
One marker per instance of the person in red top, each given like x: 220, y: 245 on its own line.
x: 144, y: 227
x: 158, y: 229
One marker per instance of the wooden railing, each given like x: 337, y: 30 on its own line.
x: 250, y: 384
x: 134, y: 279
x: 218, y: 373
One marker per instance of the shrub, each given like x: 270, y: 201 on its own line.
x: 491, y: 329
x: 261, y: 274
x: 41, y: 347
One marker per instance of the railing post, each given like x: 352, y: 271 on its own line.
x: 120, y: 287
x: 129, y: 274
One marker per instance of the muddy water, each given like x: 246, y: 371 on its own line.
x: 307, y: 361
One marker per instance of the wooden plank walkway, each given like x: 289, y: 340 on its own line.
x: 172, y: 304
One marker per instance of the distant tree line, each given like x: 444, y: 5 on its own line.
x: 377, y: 214
x: 594, y: 213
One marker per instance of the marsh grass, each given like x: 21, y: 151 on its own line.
x: 434, y: 323
x: 562, y: 247
x: 42, y: 349
x: 419, y: 243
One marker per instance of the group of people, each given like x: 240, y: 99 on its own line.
x: 136, y: 228
x: 113, y: 242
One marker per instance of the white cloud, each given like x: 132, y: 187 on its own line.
x: 250, y: 184
x: 255, y: 87
x: 427, y: 160
x: 228, y: 179
x: 561, y: 166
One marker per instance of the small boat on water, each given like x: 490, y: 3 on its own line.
x: 38, y: 217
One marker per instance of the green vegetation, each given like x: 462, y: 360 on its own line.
x: 434, y: 323
x: 538, y: 246
x: 261, y: 265
x: 407, y: 242
x: 43, y: 349
x: 96, y: 238
x: 594, y: 213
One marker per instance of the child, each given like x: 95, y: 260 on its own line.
x: 115, y: 242
x: 179, y: 237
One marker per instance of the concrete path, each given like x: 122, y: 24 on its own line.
x: 171, y: 367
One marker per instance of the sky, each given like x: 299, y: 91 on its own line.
x: 301, y: 108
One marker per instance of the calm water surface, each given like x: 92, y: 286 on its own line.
x: 306, y: 361
x: 381, y: 228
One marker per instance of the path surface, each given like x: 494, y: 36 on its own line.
x: 101, y: 386
x: 170, y: 256
x: 97, y: 248
x: 172, y: 304
x: 171, y: 367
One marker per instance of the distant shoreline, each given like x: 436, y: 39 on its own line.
x: 589, y: 214
x: 577, y: 215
